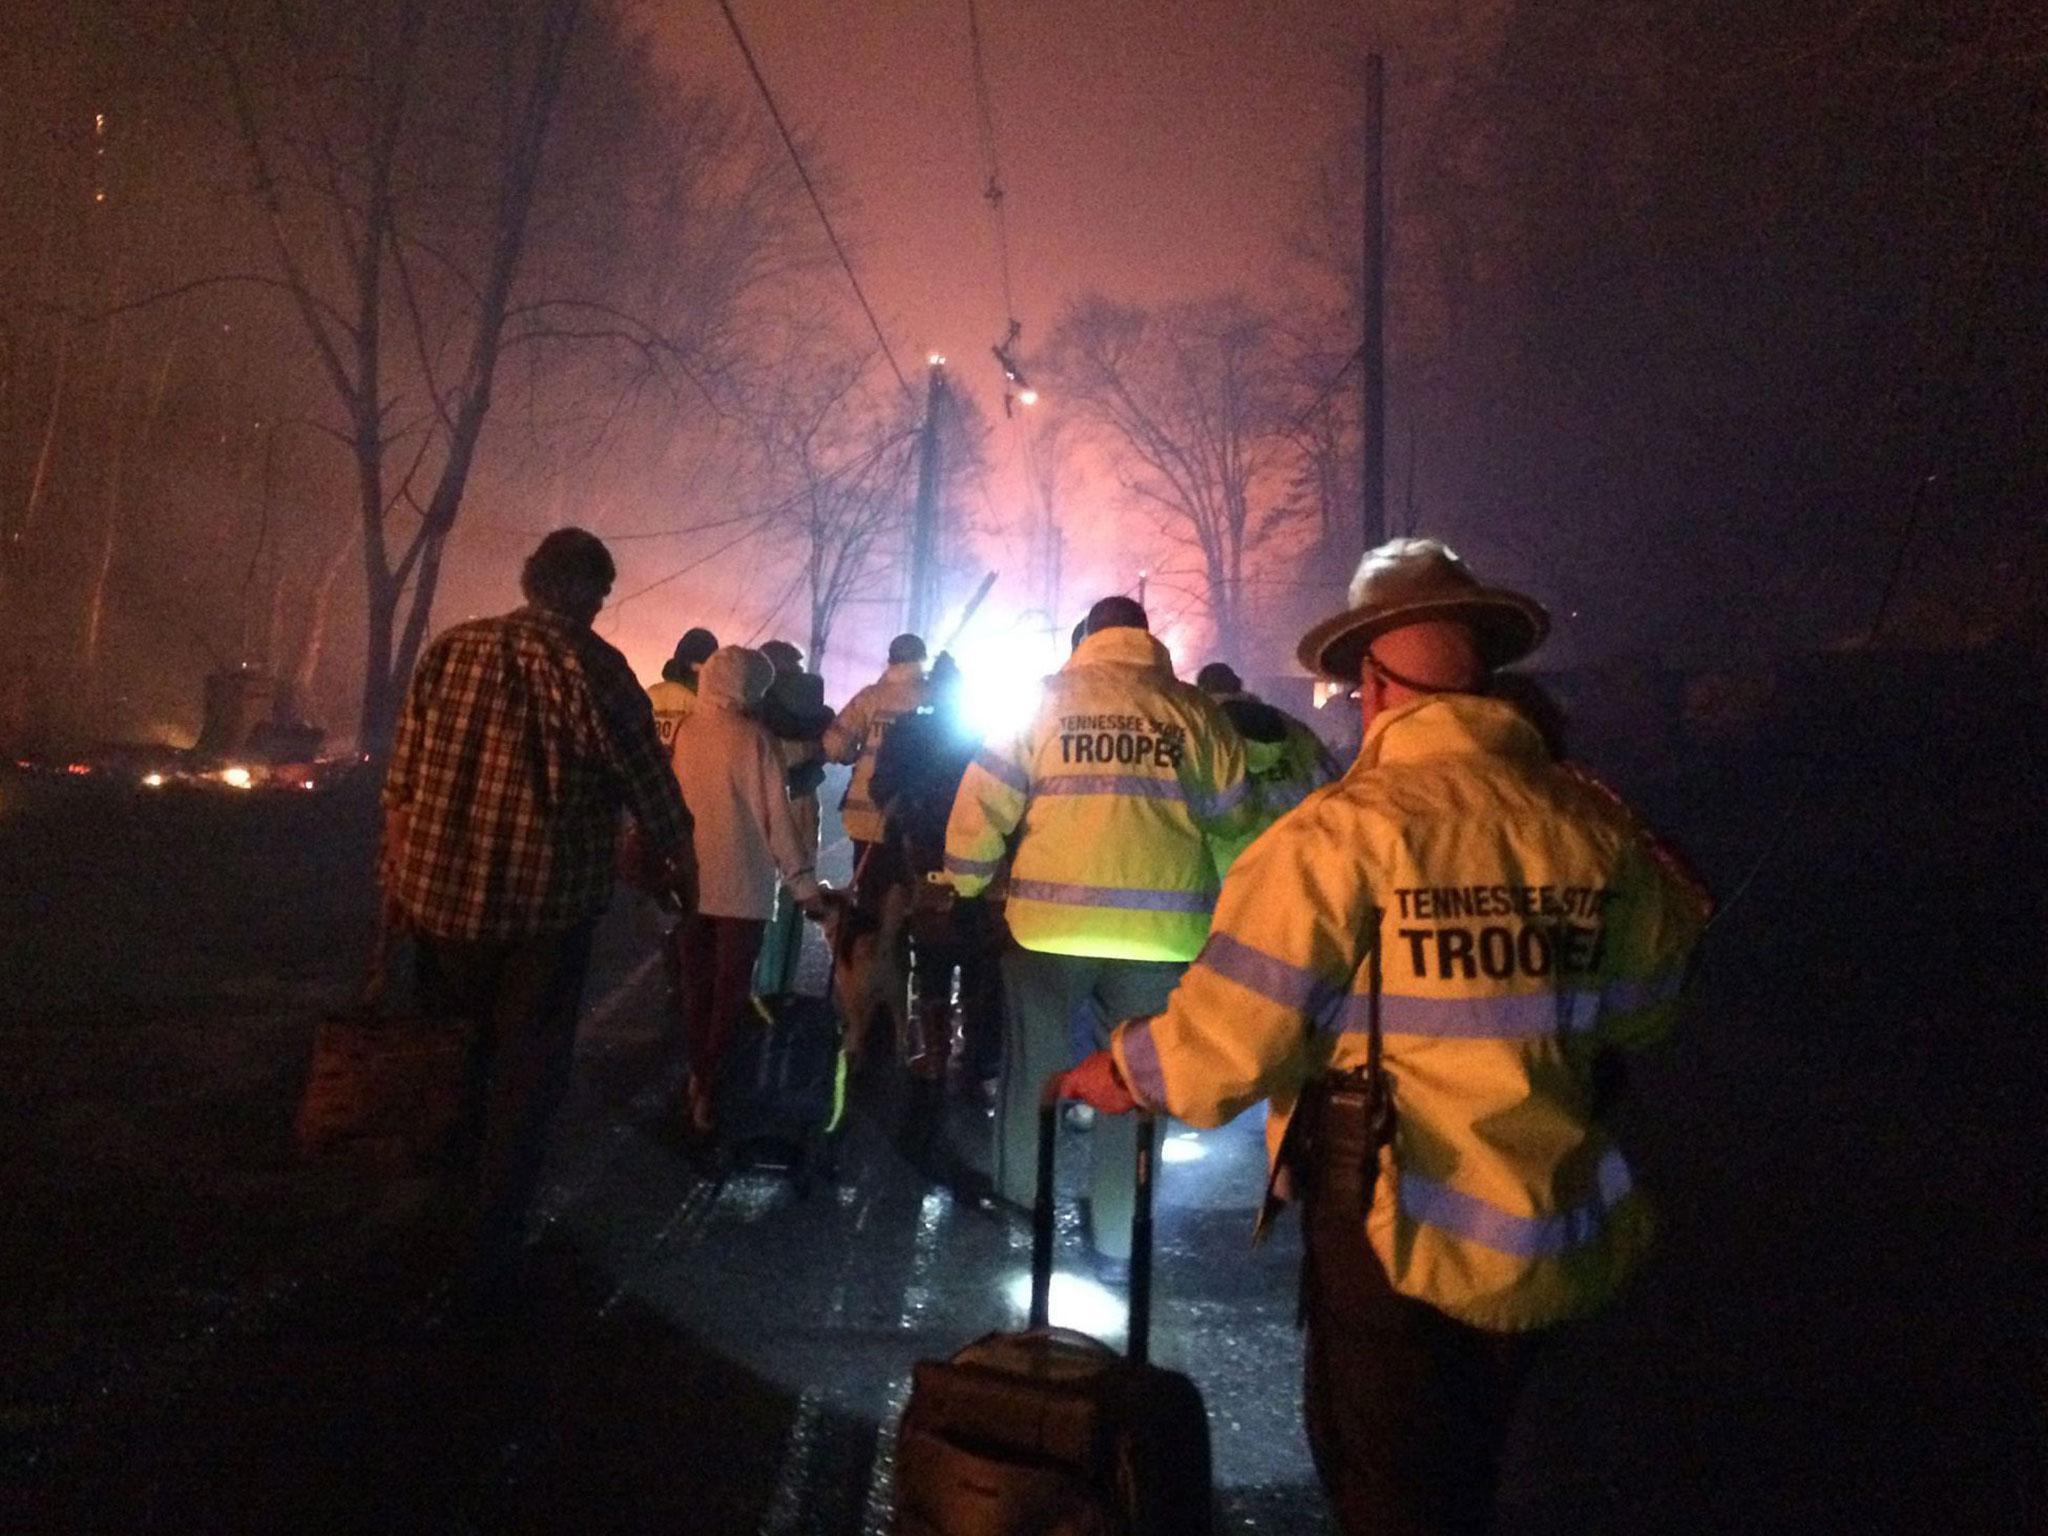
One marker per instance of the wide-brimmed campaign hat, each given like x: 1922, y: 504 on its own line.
x: 1409, y: 581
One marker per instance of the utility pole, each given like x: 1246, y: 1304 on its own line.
x: 921, y: 603
x: 1372, y: 355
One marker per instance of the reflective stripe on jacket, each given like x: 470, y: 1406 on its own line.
x: 1525, y: 922
x: 1115, y: 789
x: 856, y: 735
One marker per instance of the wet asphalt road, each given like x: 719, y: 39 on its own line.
x: 215, y: 1337
x: 1842, y: 1330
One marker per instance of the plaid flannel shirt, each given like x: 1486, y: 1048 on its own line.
x: 521, y: 739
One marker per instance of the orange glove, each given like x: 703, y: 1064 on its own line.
x: 1096, y: 1081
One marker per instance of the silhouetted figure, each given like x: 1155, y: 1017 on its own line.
x: 857, y: 734
x: 676, y: 694
x: 521, y: 739
x: 1423, y: 967
x: 746, y: 836
x: 917, y: 774
x: 1119, y: 783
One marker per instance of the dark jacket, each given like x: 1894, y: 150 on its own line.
x: 917, y: 772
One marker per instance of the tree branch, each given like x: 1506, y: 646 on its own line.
x: 295, y: 280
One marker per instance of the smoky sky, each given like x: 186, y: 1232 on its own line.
x: 1708, y: 442
x: 1708, y: 324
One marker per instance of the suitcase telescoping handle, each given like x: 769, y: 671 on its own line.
x: 1140, y: 1332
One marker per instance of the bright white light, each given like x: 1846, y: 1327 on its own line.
x: 1002, y: 674
x: 936, y: 359
x: 1077, y: 1303
x: 1028, y: 396
x: 1183, y: 1148
x: 236, y: 777
x: 153, y: 780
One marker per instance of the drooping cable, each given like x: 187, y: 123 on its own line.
x: 817, y: 202
x: 994, y: 192
x: 759, y: 520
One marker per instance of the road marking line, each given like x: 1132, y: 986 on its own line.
x: 934, y: 1213
x: 613, y: 1000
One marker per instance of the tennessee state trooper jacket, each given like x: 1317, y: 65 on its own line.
x: 1525, y: 921
x: 1115, y: 790
x: 856, y: 736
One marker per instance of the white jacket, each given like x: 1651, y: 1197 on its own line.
x: 734, y: 783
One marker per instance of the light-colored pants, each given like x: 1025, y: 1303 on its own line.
x: 1041, y: 993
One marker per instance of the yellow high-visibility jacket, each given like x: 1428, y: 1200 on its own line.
x: 856, y: 736
x: 1283, y: 772
x: 672, y: 703
x: 1114, y: 791
x: 1305, y: 765
x: 1525, y: 921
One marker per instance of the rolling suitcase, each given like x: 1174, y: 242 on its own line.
x: 1050, y: 1431
x: 781, y: 1090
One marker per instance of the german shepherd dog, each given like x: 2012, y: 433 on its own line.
x: 870, y: 974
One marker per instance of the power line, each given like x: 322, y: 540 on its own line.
x: 686, y: 567
x: 994, y: 193
x: 484, y: 525
x: 861, y: 461
x: 758, y: 520
x: 817, y: 202
x: 781, y: 603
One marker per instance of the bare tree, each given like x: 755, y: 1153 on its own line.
x: 836, y: 450
x: 1189, y: 400
x: 296, y: 692
x: 1049, y: 473
x: 443, y: 184
x: 357, y: 175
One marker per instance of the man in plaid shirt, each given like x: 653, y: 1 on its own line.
x: 521, y: 739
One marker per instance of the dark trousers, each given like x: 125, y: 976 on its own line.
x: 521, y: 998
x: 715, y: 970
x: 966, y: 938
x: 1040, y: 994
x: 1407, y: 1408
